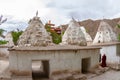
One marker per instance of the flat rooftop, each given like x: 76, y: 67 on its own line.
x: 55, y: 47
x: 106, y: 44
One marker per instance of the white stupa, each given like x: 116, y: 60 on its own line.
x: 35, y: 34
x: 105, y: 33
x: 74, y: 35
x: 87, y: 36
x: 9, y: 38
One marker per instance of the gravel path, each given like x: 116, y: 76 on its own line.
x: 109, y: 75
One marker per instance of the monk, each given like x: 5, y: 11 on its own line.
x: 103, y: 64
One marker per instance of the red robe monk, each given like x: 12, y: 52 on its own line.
x: 103, y: 64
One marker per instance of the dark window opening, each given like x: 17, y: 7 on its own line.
x: 98, y: 41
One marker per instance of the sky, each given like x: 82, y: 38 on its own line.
x: 18, y: 12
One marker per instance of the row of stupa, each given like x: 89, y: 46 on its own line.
x: 36, y: 34
x: 75, y: 34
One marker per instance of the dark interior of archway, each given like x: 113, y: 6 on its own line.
x: 37, y: 73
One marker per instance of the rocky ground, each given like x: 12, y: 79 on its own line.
x: 108, y: 75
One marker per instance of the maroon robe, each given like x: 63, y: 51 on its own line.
x: 103, y: 64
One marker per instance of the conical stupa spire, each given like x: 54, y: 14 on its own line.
x: 37, y: 13
x: 105, y: 33
x: 35, y: 34
x: 74, y: 35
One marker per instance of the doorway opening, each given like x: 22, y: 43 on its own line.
x: 40, y: 69
x: 85, y: 65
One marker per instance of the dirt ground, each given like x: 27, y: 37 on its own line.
x: 109, y: 75
x: 4, y: 70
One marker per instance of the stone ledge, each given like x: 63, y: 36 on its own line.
x: 106, y: 44
x: 53, y: 48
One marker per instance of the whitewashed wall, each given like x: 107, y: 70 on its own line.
x: 59, y: 60
x: 111, y: 52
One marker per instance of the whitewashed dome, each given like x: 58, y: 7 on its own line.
x: 105, y: 33
x: 35, y: 34
x: 74, y: 35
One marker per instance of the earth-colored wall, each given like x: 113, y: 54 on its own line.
x: 21, y: 61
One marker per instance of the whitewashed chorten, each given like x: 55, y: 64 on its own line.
x: 74, y: 35
x: 87, y: 35
x: 35, y: 34
x: 105, y: 33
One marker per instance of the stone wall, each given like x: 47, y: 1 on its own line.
x: 59, y: 60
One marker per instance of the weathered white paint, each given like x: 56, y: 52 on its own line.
x: 35, y: 34
x: 73, y: 34
x: 113, y: 59
x: 9, y: 38
x: 59, y: 59
x: 104, y: 34
x: 112, y: 52
x: 87, y: 36
x: 106, y: 38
